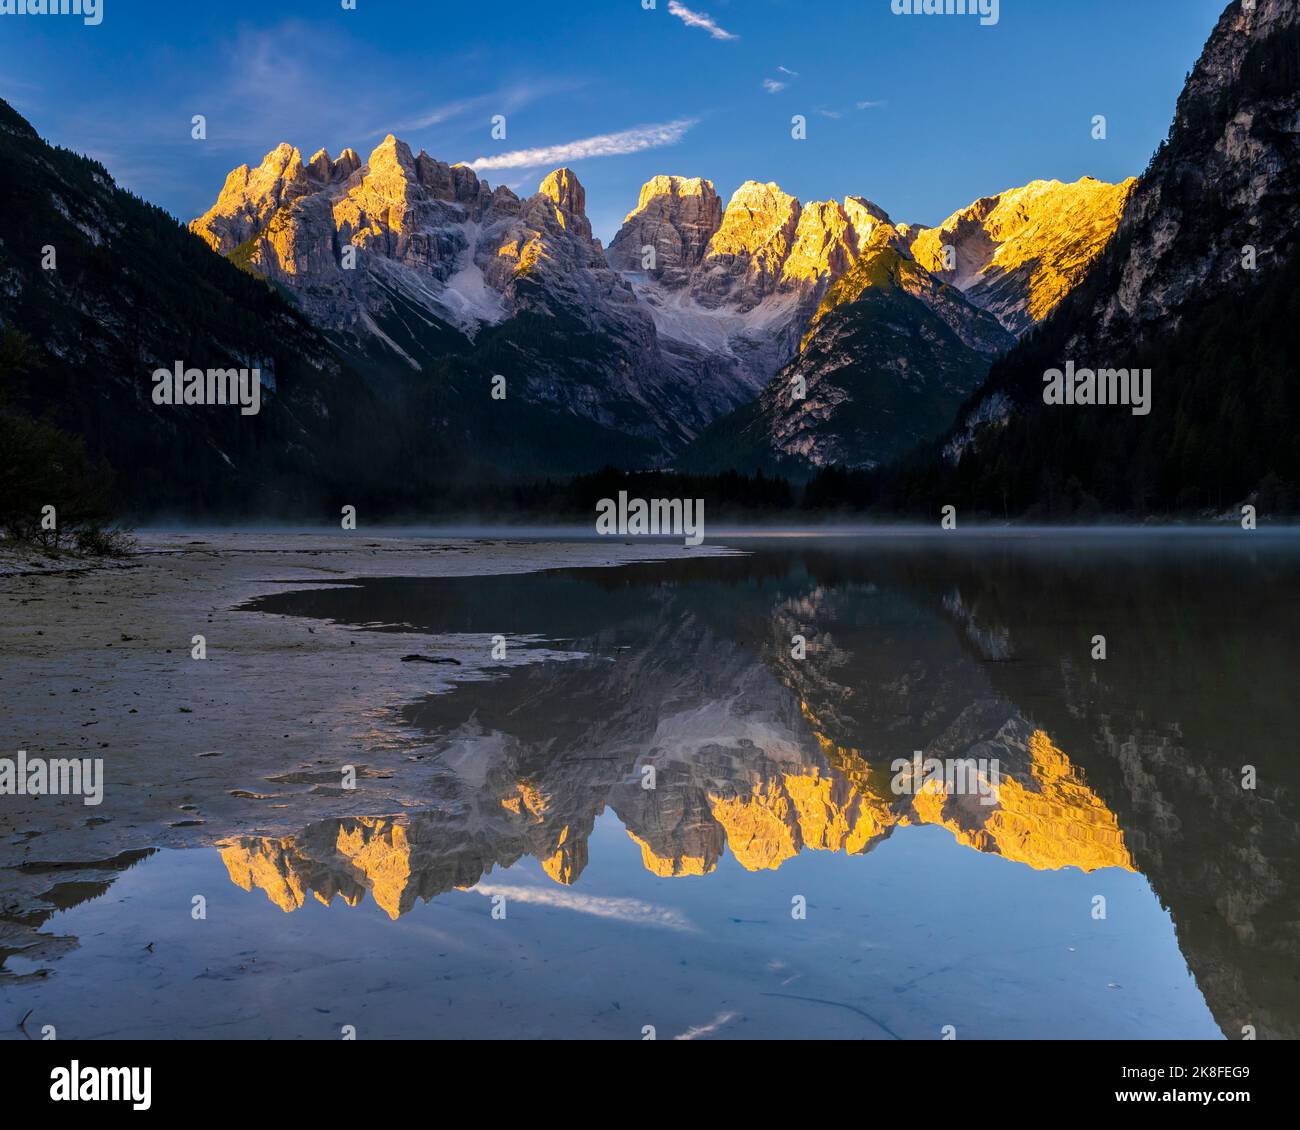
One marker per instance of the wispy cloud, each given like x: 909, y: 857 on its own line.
x: 699, y: 19
x: 434, y: 116
x: 606, y: 145
x: 871, y: 105
x: 635, y: 912
x: 776, y: 85
x: 504, y: 101
x: 699, y: 1030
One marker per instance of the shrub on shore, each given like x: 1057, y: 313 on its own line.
x: 51, y: 496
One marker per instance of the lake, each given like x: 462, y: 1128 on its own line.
x: 690, y: 806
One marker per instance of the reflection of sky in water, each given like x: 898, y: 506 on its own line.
x: 917, y: 934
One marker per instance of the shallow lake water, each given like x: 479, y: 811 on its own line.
x: 687, y: 818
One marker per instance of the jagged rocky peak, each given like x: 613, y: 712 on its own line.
x: 764, y: 242
x: 324, y: 170
x: 457, y: 183
x: 565, y: 189
x: 825, y: 245
x: 435, y: 218
x: 1019, y: 253
x: 829, y: 239
x: 745, y: 258
x: 375, y: 212
x: 250, y: 197
x: 283, y: 162
x: 393, y: 170
x: 677, y: 217
x: 756, y: 212
x: 561, y: 200
x: 553, y: 234
x: 885, y: 265
x: 391, y: 155
x: 865, y: 217
x: 738, y: 284
x: 387, y: 194
x: 730, y: 294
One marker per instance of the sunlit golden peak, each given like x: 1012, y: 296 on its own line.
x: 280, y: 156
x: 1046, y: 233
x: 391, y: 150
x: 756, y: 191
x: 675, y: 187
x: 563, y: 187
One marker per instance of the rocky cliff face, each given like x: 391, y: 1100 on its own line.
x: 676, y: 218
x: 1228, y: 178
x: 767, y: 289
x: 407, y: 219
x: 1196, y: 285
x: 1018, y: 254
x: 745, y: 284
x: 745, y: 260
x: 734, y: 290
x: 888, y: 358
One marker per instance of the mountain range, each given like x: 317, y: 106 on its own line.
x: 691, y: 312
x: 414, y: 326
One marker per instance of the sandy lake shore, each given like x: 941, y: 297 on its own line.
x: 95, y: 662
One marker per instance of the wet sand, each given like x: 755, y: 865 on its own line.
x: 95, y: 662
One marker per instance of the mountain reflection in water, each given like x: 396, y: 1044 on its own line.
x: 765, y: 811
x: 961, y: 650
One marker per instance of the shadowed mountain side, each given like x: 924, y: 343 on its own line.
x: 890, y: 356
x: 129, y: 291
x: 1200, y: 286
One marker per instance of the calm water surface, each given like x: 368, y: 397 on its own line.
x: 773, y: 882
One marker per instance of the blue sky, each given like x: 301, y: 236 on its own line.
x: 921, y: 114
